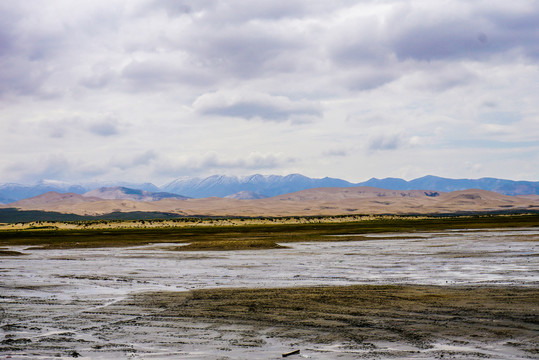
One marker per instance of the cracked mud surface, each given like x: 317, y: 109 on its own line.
x: 447, y: 294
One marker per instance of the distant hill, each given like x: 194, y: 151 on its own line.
x: 263, y: 185
x: 14, y: 192
x: 120, y: 192
x: 506, y: 187
x: 11, y: 192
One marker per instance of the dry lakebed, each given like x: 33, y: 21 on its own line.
x: 461, y: 293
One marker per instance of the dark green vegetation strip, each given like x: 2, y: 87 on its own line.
x: 54, y: 239
x: 12, y: 215
x: 414, y: 313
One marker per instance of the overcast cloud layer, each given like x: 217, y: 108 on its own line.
x: 154, y: 90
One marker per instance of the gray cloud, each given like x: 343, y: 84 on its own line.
x: 336, y: 153
x: 237, y: 11
x: 98, y: 78
x: 244, y: 51
x: 175, y: 7
x: 104, y: 128
x: 427, y: 42
x: 469, y: 31
x: 250, y: 105
x: 235, y: 39
x: 151, y: 74
x: 220, y: 42
x: 100, y: 125
x: 8, y: 18
x: 371, y: 78
x: 409, y: 31
x: 385, y: 142
x: 21, y: 77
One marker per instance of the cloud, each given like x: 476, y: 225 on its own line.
x: 9, y: 17
x: 20, y: 77
x: 336, y: 153
x: 231, y: 11
x: 244, y: 51
x: 397, y: 32
x: 251, y: 105
x: 130, y: 161
x: 212, y: 162
x: 55, y: 166
x: 107, y: 127
x: 154, y: 73
x: 447, y: 76
x: 368, y: 79
x: 52, y: 167
x: 232, y: 39
x: 464, y: 30
x: 173, y: 7
x: 500, y: 117
x: 75, y: 125
x: 385, y: 142
x: 99, y: 78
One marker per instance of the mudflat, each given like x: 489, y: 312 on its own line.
x: 364, y: 315
x: 462, y: 288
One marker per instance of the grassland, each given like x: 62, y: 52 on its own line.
x: 236, y: 234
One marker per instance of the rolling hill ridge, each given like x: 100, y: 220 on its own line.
x: 311, y: 202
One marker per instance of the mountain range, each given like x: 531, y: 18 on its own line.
x: 254, y: 187
x: 311, y: 202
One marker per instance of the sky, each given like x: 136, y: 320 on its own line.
x: 153, y: 90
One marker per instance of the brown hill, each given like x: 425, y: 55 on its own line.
x: 321, y: 201
x: 365, y: 192
x: 245, y: 195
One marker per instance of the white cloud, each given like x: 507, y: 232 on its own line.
x: 212, y: 162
